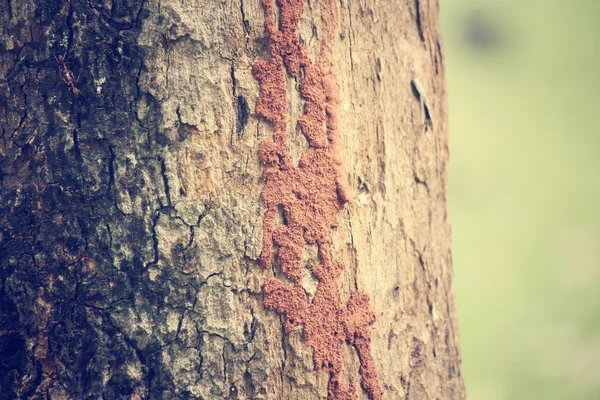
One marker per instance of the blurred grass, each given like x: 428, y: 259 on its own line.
x: 524, y: 96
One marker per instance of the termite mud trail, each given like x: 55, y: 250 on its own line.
x: 311, y: 194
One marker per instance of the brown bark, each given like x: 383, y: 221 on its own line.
x: 131, y: 219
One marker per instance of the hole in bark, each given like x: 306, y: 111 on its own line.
x: 243, y: 113
x: 281, y: 219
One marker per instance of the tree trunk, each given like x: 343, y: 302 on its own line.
x: 224, y: 199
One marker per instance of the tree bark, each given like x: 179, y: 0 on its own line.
x: 143, y: 148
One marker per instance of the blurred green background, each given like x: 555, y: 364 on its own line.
x: 524, y: 96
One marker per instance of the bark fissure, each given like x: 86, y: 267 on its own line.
x: 418, y: 19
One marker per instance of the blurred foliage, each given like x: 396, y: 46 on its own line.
x: 524, y: 97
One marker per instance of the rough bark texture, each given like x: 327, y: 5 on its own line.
x: 131, y: 218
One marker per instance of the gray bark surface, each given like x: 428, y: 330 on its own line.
x: 130, y: 213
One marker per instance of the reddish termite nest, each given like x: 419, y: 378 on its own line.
x: 311, y: 195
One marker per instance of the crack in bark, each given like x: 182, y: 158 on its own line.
x: 418, y: 19
x: 154, y: 241
x: 163, y: 172
x: 245, y: 23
